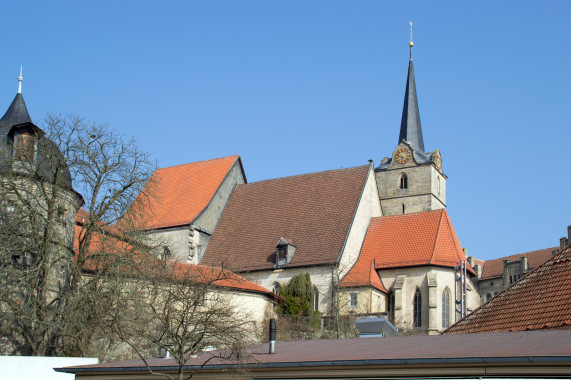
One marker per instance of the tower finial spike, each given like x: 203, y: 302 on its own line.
x: 20, y: 80
x: 410, y: 44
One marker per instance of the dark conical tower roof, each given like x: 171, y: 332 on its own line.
x: 17, y: 113
x: 410, y: 129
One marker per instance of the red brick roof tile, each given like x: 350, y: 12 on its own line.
x: 314, y: 211
x: 541, y: 300
x: 363, y: 275
x: 495, y: 268
x: 181, y: 192
x: 424, y: 238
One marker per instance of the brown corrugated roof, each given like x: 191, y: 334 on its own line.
x: 541, y: 300
x: 314, y: 210
x: 326, y: 353
x: 495, y: 268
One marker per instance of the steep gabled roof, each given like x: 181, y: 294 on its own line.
x: 314, y: 210
x: 363, y: 275
x: 495, y: 268
x: 180, y: 193
x: 424, y: 238
x: 541, y: 300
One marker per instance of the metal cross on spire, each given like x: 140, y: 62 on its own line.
x: 20, y: 80
x: 410, y: 44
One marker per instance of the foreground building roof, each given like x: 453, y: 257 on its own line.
x: 541, y: 300
x: 495, y: 268
x: 180, y: 193
x: 520, y: 353
x: 424, y: 238
x: 312, y: 211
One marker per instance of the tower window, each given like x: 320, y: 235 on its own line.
x: 403, y: 181
x: 417, y: 309
x: 25, y: 145
x: 403, y: 208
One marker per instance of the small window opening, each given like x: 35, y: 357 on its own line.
x: 166, y: 253
x: 276, y: 288
x: 403, y: 208
x: 403, y: 181
x: 353, y: 299
x: 488, y: 297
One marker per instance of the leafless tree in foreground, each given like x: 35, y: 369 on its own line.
x: 184, y: 310
x: 48, y: 306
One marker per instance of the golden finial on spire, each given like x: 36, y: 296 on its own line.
x: 410, y: 44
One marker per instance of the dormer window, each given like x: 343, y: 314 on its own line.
x: 284, y: 252
x: 24, y: 144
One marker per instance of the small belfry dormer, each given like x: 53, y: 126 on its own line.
x: 411, y: 180
x: 285, y: 250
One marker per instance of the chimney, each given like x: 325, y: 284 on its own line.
x: 563, y: 243
x: 272, y: 336
x: 523, y: 264
x: 470, y: 258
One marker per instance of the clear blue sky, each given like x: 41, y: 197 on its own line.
x: 303, y: 86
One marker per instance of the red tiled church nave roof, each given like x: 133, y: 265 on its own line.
x: 424, y: 238
x: 314, y: 211
x: 541, y: 300
x: 180, y: 193
x: 495, y: 268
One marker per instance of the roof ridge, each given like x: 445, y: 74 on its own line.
x: 198, y: 162
x: 437, y: 237
x: 304, y: 174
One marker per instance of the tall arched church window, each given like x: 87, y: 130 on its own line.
x: 417, y: 309
x: 391, y: 305
x: 445, y: 308
x: 403, y: 181
x: 315, y: 298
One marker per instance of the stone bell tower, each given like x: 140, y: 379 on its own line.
x: 411, y: 180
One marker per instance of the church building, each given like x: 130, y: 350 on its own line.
x: 375, y: 240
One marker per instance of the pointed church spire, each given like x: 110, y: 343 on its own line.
x: 410, y: 129
x: 17, y: 112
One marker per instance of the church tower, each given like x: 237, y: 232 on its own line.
x: 411, y: 180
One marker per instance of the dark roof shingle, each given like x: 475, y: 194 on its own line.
x: 314, y: 210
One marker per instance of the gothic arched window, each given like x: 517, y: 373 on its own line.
x: 315, y: 298
x: 445, y: 308
x: 276, y: 288
x: 417, y: 309
x: 403, y: 181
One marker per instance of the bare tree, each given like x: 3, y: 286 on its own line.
x: 182, y: 310
x: 48, y: 306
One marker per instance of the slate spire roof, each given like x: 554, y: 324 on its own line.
x: 410, y: 129
x: 16, y: 114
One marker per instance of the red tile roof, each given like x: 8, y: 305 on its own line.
x: 541, y: 300
x: 314, y: 211
x: 495, y: 268
x: 181, y: 192
x: 424, y: 238
x: 363, y: 275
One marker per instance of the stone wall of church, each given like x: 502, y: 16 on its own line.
x: 426, y: 189
x: 323, y: 279
x: 432, y: 282
x: 369, y: 207
x: 362, y: 300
